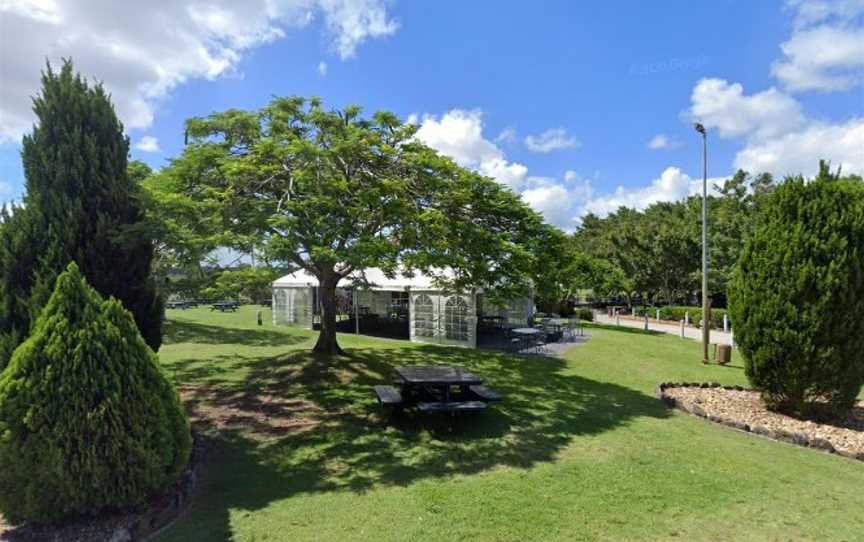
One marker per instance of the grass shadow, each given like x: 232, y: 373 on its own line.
x: 347, y: 444
x: 183, y: 331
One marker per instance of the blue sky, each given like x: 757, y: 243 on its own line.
x: 559, y: 100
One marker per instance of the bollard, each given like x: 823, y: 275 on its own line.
x: 687, y: 318
x: 617, y: 320
x: 646, y: 321
x: 260, y: 320
x: 682, y: 329
x: 658, y: 315
x: 725, y: 323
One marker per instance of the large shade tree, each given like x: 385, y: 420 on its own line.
x: 334, y: 192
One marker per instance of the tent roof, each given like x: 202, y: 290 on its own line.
x: 376, y: 278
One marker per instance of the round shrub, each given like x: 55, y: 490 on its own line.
x: 797, y: 294
x: 87, y: 419
x: 586, y: 314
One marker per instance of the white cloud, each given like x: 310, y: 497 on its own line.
x: 809, y: 12
x: 352, y: 22
x: 148, y: 144
x: 824, y: 58
x: 718, y: 104
x: 141, y: 55
x: 662, y: 141
x: 551, y: 140
x: 459, y: 135
x: 799, y: 152
x: 672, y: 185
x: 507, y: 135
x: 826, y: 49
x: 322, y: 69
x: 558, y: 203
x: 778, y: 137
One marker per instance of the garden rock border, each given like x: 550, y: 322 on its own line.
x: 798, y: 438
x: 160, y: 511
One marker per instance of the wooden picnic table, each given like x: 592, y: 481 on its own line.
x: 437, y: 375
x: 428, y: 388
x: 225, y: 306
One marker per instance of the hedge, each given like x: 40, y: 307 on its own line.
x: 677, y: 312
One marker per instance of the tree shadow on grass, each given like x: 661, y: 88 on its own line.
x: 184, y: 331
x: 347, y: 444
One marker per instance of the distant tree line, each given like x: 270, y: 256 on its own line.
x: 653, y: 256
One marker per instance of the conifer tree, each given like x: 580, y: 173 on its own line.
x: 797, y: 293
x: 80, y: 205
x: 87, y: 418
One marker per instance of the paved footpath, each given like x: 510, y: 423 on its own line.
x: 717, y: 337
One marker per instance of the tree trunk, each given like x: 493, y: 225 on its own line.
x: 327, y: 338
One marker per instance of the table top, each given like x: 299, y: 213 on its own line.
x: 526, y: 330
x: 556, y: 322
x: 438, y: 374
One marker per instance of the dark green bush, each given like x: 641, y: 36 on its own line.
x: 584, y: 313
x: 677, y: 312
x: 797, y: 295
x: 87, y: 418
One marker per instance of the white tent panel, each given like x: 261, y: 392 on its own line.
x: 435, y: 316
x: 442, y: 318
x: 375, y: 277
x: 293, y: 305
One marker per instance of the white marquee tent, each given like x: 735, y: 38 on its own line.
x: 431, y: 315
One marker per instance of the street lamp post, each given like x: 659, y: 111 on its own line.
x: 706, y: 305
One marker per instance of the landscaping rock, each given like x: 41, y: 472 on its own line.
x: 743, y: 409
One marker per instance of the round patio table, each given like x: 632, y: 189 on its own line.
x: 525, y: 333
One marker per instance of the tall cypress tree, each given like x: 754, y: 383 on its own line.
x: 80, y: 205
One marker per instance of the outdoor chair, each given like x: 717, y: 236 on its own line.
x: 540, y: 343
x: 574, y: 328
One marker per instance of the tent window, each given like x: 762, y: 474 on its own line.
x: 424, y: 324
x: 456, y: 319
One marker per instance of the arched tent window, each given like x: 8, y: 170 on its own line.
x: 424, y: 323
x: 456, y: 319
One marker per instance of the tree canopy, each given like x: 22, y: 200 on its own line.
x: 334, y: 192
x: 655, y: 252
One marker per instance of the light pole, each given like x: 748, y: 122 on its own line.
x: 706, y: 305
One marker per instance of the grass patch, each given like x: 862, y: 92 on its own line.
x: 579, y: 450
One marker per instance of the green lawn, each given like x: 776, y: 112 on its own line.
x: 579, y: 450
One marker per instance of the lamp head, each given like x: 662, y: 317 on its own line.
x: 699, y: 128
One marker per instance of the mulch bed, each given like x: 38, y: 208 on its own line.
x: 743, y: 409
x: 119, y: 526
x: 259, y: 413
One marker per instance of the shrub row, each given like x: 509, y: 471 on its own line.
x: 677, y: 312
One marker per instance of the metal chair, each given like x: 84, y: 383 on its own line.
x: 541, y: 340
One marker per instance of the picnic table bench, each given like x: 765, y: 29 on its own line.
x: 430, y: 389
x: 225, y: 306
x: 183, y: 304
x: 388, y: 395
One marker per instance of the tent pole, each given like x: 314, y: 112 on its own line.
x: 356, y: 312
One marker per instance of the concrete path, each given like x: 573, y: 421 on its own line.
x: 717, y: 337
